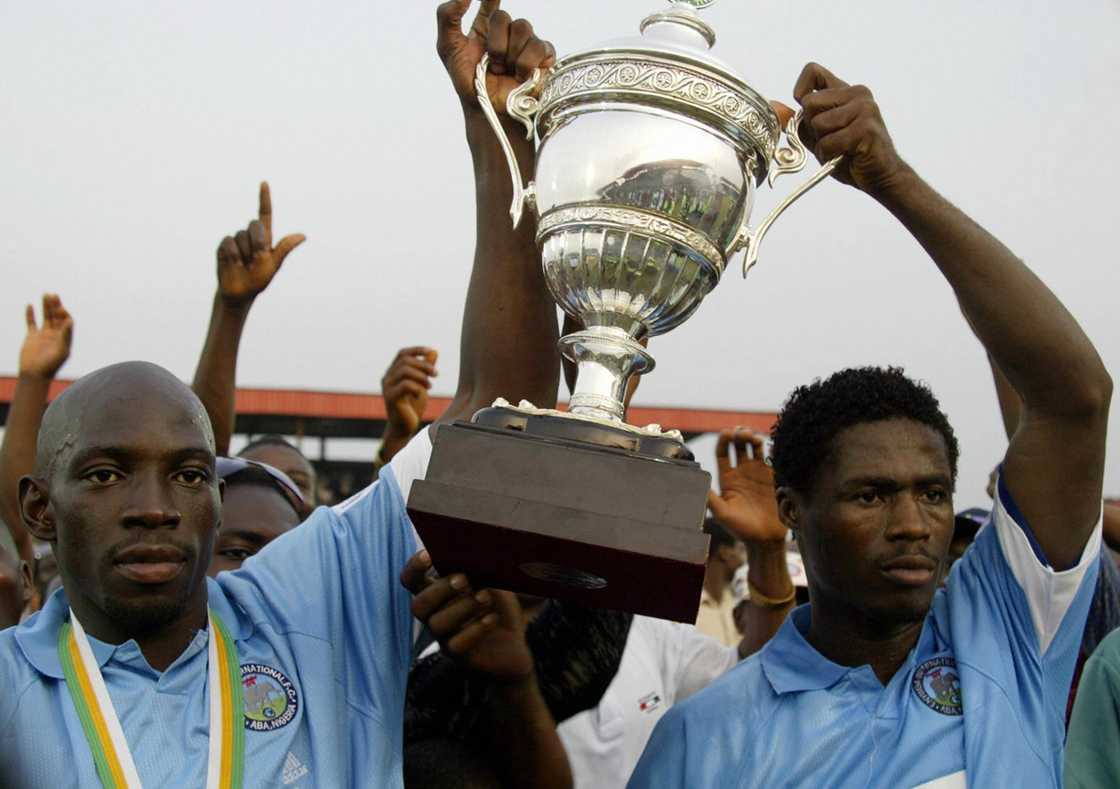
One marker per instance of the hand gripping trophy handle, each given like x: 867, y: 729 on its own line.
x: 787, y: 160
x: 521, y: 105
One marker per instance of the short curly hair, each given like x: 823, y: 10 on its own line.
x: 813, y: 416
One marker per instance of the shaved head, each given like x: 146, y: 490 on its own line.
x: 127, y: 493
x: 127, y: 382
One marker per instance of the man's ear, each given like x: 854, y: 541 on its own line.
x: 28, y: 581
x: 35, y: 508
x: 789, y: 508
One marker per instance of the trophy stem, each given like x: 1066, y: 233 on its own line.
x: 607, y: 357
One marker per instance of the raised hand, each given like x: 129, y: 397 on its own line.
x: 405, y: 388
x: 843, y: 120
x: 483, y: 629
x: 248, y: 261
x: 514, y: 50
x: 746, y: 505
x: 46, y: 347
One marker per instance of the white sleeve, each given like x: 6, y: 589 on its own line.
x: 411, y: 463
x: 1049, y: 593
x: 700, y: 660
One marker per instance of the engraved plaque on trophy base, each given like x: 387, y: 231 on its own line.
x: 530, y: 509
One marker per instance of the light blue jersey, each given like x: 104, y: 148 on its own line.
x: 323, y: 633
x: 980, y: 700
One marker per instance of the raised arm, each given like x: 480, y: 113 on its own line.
x: 508, y: 341
x: 1054, y: 465
x: 45, y: 349
x: 247, y: 263
x: 747, y: 507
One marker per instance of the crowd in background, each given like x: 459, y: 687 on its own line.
x: 367, y: 668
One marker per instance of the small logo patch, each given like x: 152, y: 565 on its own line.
x: 938, y: 685
x: 649, y: 702
x: 270, y: 698
x: 294, y: 769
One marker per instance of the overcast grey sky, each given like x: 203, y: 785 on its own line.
x: 134, y: 135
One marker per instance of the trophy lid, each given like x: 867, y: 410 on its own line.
x: 670, y: 65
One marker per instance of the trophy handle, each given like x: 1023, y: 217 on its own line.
x: 522, y: 106
x: 787, y: 160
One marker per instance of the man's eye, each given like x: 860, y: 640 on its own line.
x: 192, y: 477
x: 103, y: 476
x: 237, y: 554
x: 868, y: 497
x: 935, y: 496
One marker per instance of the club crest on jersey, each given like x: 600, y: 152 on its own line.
x: 270, y: 698
x: 938, y: 685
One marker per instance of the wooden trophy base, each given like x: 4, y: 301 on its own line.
x: 558, y: 507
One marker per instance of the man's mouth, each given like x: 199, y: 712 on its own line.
x: 150, y: 564
x: 913, y: 571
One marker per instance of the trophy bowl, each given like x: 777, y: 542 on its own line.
x: 649, y: 150
x: 648, y: 153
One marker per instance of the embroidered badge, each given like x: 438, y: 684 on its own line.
x: 270, y: 698
x: 938, y: 685
x: 649, y: 702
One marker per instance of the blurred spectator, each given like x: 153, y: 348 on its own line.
x: 965, y: 526
x: 260, y: 504
x: 276, y: 452
x: 716, y: 615
x: 1092, y: 758
x: 15, y: 588
x: 740, y: 589
x: 45, y: 349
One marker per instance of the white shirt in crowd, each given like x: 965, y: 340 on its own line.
x: 662, y: 664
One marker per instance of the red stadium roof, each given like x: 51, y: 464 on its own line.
x: 305, y: 405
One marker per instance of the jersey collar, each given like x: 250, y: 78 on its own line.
x: 791, y: 664
x: 38, y: 636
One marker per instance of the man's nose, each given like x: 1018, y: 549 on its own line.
x: 908, y: 521
x: 150, y: 504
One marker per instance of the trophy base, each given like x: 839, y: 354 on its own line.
x: 557, y: 507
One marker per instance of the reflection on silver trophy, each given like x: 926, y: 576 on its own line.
x: 649, y: 150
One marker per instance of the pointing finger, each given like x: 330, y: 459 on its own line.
x: 29, y: 316
x: 264, y: 213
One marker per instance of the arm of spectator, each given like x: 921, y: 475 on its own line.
x: 747, y: 507
x: 508, y: 341
x: 405, y: 388
x: 247, y: 262
x: 45, y: 349
x: 1054, y: 466
x: 485, y: 630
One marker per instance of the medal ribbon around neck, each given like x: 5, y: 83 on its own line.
x: 111, y: 754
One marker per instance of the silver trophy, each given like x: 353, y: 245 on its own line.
x: 649, y: 150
